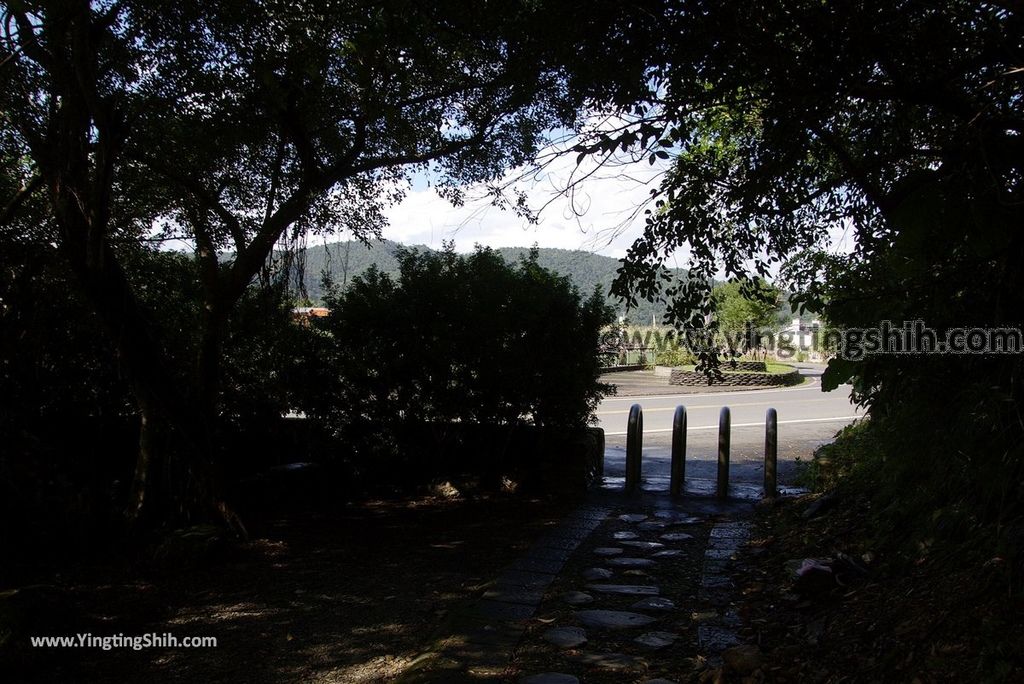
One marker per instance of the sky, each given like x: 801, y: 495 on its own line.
x: 603, y: 215
x: 598, y: 216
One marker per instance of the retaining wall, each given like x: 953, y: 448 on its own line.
x: 759, y: 366
x: 737, y: 379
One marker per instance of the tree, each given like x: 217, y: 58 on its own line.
x: 744, y: 319
x: 897, y: 123
x: 787, y: 119
x: 239, y: 125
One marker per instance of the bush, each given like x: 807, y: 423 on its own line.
x: 675, y: 357
x: 855, y: 446
x: 68, y: 421
x: 458, y: 339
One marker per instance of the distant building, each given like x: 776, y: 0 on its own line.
x: 805, y: 337
x: 310, y: 311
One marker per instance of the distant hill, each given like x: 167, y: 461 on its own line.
x: 345, y: 260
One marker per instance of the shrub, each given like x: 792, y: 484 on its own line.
x: 855, y: 446
x: 467, y: 339
x: 675, y: 357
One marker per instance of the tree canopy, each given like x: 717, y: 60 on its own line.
x: 239, y: 125
x: 896, y: 124
x: 739, y: 317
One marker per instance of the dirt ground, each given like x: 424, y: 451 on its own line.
x: 920, y: 617
x: 347, y: 598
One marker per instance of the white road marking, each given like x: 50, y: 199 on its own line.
x: 715, y: 406
x: 743, y: 425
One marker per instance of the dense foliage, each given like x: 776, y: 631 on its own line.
x: 241, y: 126
x: 68, y: 423
x: 467, y: 339
x: 897, y: 124
x: 586, y: 270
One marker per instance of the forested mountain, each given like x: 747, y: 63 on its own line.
x: 344, y: 260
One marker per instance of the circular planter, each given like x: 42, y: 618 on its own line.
x: 740, y: 378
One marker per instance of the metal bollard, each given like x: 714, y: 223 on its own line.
x: 677, y: 480
x: 634, y: 447
x: 771, y: 454
x: 723, y: 453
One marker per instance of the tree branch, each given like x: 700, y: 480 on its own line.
x: 19, y: 199
x: 200, y: 193
x: 373, y: 163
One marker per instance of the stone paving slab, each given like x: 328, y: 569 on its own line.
x: 656, y: 640
x: 614, y: 619
x: 597, y: 574
x: 607, y: 551
x: 655, y: 603
x: 537, y: 565
x: 610, y: 661
x: 577, y: 598
x: 644, y: 545
x: 523, y: 579
x: 565, y: 637
x: 507, y: 594
x: 713, y: 638
x: 716, y: 630
x: 716, y: 566
x: 729, y: 532
x: 549, y: 678
x: 514, y: 597
x: 729, y: 550
x: 632, y: 562
x: 552, y: 553
x: 633, y: 517
x: 630, y: 589
x: 485, y: 633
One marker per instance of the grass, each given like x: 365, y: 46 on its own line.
x: 779, y: 368
x: 773, y: 368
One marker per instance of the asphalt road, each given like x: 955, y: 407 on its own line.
x: 808, y: 418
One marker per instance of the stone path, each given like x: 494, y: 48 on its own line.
x: 623, y: 590
x: 655, y: 574
x: 483, y: 635
x: 716, y: 629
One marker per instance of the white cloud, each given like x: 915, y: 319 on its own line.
x: 599, y: 215
x: 602, y: 214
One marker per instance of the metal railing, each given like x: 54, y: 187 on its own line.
x: 627, y: 357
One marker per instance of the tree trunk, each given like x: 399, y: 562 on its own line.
x: 173, y: 482
x: 172, y: 485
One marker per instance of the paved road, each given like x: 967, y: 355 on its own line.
x: 808, y: 418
